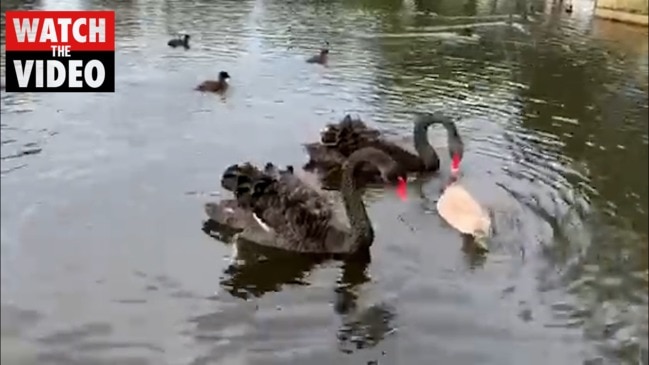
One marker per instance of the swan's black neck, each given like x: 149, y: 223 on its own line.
x: 422, y: 145
x: 455, y: 144
x: 362, y: 233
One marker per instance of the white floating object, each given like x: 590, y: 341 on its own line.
x: 460, y: 210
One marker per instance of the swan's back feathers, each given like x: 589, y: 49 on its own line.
x: 327, y: 162
x: 330, y: 134
x: 348, y: 136
x: 352, y: 135
x: 338, y: 141
x: 308, y: 215
x: 301, y: 218
x: 323, y: 155
x: 297, y: 216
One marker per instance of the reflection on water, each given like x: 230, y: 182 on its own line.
x: 257, y: 270
x: 103, y: 260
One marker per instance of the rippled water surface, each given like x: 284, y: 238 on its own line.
x: 103, y: 256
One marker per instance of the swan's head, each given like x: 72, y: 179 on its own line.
x: 399, y: 177
x: 455, y: 147
x: 390, y: 170
x: 394, y: 174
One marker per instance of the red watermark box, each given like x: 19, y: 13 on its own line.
x: 60, y: 51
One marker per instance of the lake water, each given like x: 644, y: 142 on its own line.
x: 103, y: 256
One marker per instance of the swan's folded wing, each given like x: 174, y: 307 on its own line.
x: 307, y: 208
x: 321, y: 153
x: 297, y: 213
x: 332, y: 133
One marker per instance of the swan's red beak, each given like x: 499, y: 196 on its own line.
x: 402, y: 188
x: 455, y: 164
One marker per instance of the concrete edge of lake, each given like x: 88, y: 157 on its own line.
x: 624, y: 11
x: 622, y: 16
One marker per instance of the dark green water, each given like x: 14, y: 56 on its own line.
x: 104, y: 260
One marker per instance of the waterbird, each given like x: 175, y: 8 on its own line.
x: 275, y: 208
x: 338, y: 141
x: 322, y: 57
x: 219, y: 85
x: 179, y: 41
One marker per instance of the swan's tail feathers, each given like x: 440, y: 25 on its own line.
x: 211, y: 210
x: 227, y: 213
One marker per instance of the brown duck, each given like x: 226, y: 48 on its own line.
x: 322, y: 57
x: 219, y: 85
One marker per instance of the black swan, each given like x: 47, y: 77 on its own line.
x: 274, y: 208
x: 338, y: 141
x: 219, y: 85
